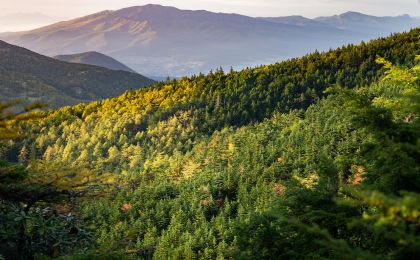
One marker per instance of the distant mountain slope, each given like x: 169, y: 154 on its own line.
x: 161, y: 41
x: 96, y: 59
x: 353, y: 22
x: 369, y: 24
x: 32, y: 77
x: 294, y: 20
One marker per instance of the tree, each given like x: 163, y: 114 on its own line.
x: 27, y: 223
x: 23, y: 155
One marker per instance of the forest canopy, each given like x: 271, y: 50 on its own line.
x: 315, y: 157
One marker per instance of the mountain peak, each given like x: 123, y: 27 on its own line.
x: 346, y: 15
x: 162, y: 40
x: 291, y: 20
x: 149, y: 9
x: 353, y: 14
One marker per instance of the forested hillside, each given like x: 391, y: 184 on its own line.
x: 313, y: 157
x: 96, y: 59
x: 32, y: 77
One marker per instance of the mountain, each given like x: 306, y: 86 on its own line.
x: 96, y: 59
x: 370, y: 25
x: 161, y: 41
x: 353, y: 22
x: 294, y: 20
x: 262, y: 163
x: 32, y: 77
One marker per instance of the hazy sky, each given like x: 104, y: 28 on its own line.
x: 64, y: 9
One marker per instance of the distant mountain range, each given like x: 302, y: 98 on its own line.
x: 370, y: 25
x: 96, y: 59
x: 162, y: 41
x: 31, y: 77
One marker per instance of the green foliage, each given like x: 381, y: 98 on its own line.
x: 9, y: 119
x: 29, y: 218
x: 44, y: 231
x: 142, y: 126
x: 365, y: 224
x: 394, y: 220
x: 264, y: 163
x: 32, y: 77
x: 399, y: 90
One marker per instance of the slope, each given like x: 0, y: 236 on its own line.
x: 161, y: 41
x: 96, y: 59
x: 219, y: 166
x: 32, y: 77
x: 169, y: 116
x: 368, y: 24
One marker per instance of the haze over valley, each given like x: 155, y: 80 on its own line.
x: 165, y: 41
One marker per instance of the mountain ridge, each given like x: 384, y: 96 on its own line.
x: 30, y: 77
x: 160, y: 40
x: 96, y: 59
